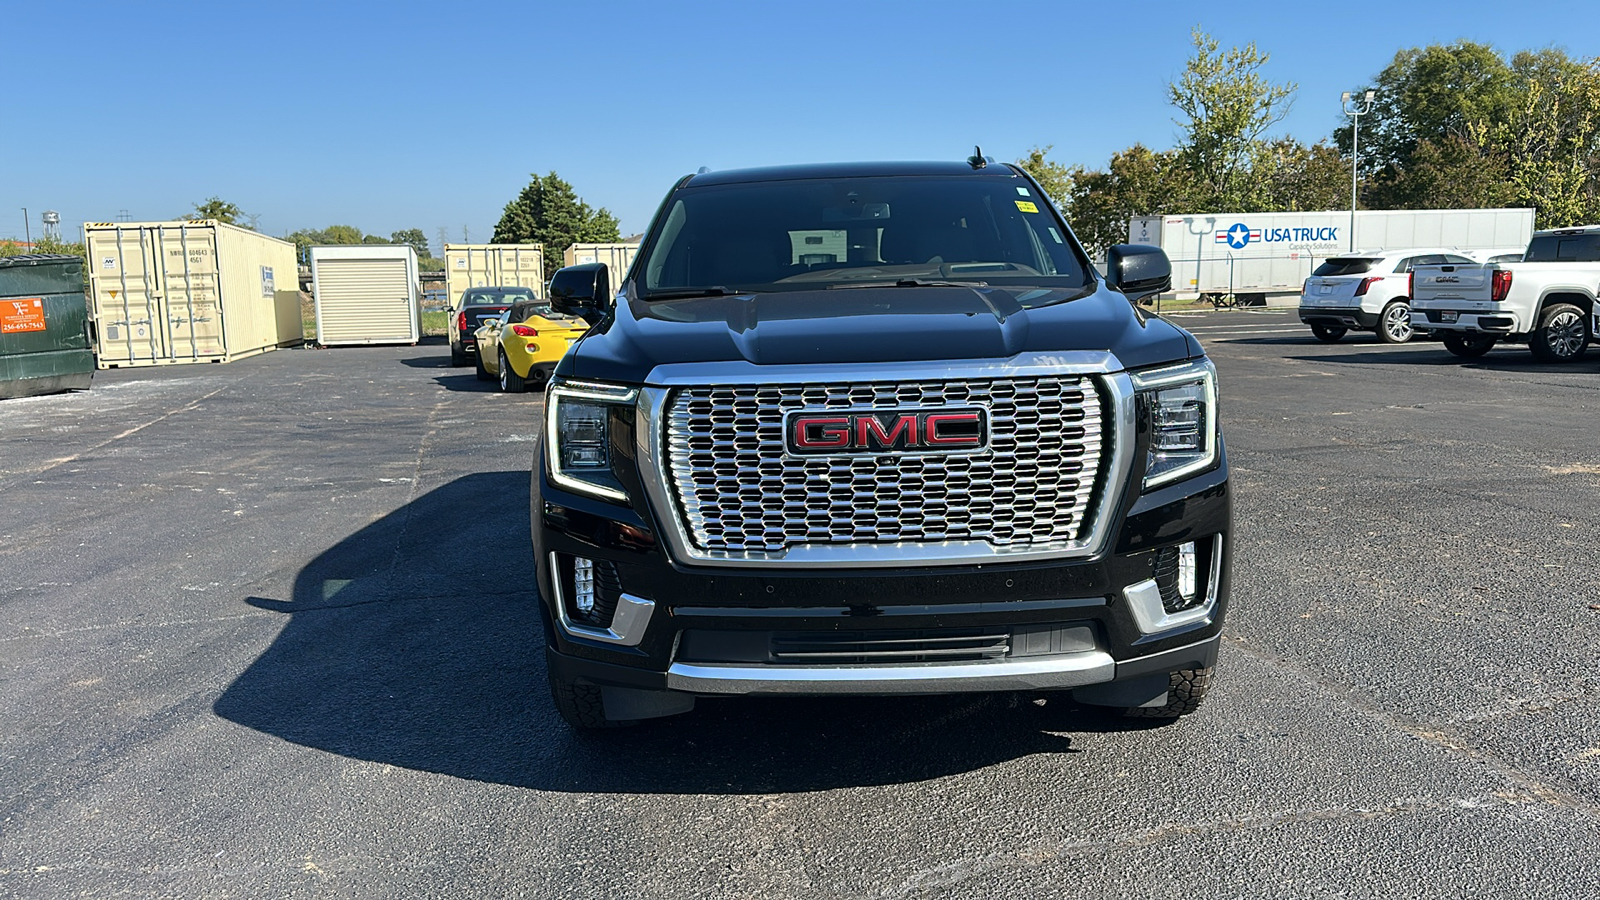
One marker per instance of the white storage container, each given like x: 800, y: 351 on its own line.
x: 188, y: 292
x: 366, y: 294
x: 493, y: 265
x: 617, y: 257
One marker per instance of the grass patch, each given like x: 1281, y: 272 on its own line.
x: 435, y: 322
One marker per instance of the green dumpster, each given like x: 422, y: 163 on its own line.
x: 44, y: 336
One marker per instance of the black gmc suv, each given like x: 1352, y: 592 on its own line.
x: 877, y: 429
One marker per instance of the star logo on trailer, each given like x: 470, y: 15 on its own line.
x: 1238, y: 237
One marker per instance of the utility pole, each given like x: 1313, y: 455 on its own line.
x: 444, y: 235
x: 1361, y: 107
x: 466, y: 236
x: 27, y: 231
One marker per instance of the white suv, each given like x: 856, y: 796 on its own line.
x: 1367, y: 292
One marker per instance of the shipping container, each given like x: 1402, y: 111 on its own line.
x: 617, y: 257
x: 493, y: 265
x: 44, y: 327
x: 1257, y: 255
x: 188, y: 292
x: 366, y: 294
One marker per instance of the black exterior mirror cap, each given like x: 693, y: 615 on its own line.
x: 583, y: 290
x: 1138, y: 270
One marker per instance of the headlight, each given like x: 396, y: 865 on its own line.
x: 1182, y: 401
x: 577, y: 436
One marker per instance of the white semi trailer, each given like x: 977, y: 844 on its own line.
x: 1255, y: 256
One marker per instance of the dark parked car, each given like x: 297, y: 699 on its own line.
x: 877, y: 429
x: 477, y: 306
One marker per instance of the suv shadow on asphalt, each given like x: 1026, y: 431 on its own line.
x: 416, y: 642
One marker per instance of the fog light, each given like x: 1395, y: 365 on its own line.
x: 583, y: 584
x: 1186, y: 571
x: 1177, y: 573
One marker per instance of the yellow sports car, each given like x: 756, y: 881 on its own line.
x: 522, y: 346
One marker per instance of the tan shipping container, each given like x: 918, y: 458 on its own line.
x: 366, y: 294
x: 493, y: 265
x: 188, y: 292
x: 617, y: 257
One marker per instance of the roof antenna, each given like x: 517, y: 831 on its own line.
x: 977, y: 160
x: 703, y: 170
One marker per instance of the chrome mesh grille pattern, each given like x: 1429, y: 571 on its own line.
x: 1031, y: 488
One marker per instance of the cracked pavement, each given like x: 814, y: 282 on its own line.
x: 267, y: 629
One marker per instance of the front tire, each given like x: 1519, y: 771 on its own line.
x: 1562, y: 335
x: 1185, y: 692
x: 510, y: 381
x: 1468, y: 346
x: 1394, y: 323
x: 580, y: 705
x: 1328, y: 334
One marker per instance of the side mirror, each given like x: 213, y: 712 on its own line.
x: 583, y: 291
x: 1138, y: 270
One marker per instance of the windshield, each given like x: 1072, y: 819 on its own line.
x: 495, y: 296
x: 1564, y: 247
x: 1345, y: 267
x: 810, y: 234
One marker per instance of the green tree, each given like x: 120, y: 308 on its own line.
x: 374, y: 239
x: 1227, y: 107
x: 1055, y: 178
x: 415, y: 238
x: 549, y: 212
x: 218, y: 209
x: 1554, y: 137
x: 1452, y: 173
x: 1431, y: 93
x: 1288, y: 176
x: 1137, y: 181
x: 44, y: 244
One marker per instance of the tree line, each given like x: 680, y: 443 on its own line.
x: 1451, y: 126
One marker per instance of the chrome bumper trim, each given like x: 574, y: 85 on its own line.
x: 1151, y: 616
x: 1068, y: 671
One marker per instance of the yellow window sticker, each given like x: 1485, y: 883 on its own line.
x: 1027, y: 206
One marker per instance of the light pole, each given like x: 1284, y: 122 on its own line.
x: 1361, y: 106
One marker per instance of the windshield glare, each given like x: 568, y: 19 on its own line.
x: 810, y: 234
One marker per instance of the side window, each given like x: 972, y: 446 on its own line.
x: 1405, y: 264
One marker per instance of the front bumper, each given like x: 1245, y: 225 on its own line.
x: 1096, y: 614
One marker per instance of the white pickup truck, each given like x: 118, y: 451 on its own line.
x: 1547, y: 300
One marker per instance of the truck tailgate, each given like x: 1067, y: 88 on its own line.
x: 1450, y: 283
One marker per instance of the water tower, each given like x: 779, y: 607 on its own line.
x: 52, y: 224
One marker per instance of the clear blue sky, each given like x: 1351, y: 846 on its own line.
x: 399, y: 114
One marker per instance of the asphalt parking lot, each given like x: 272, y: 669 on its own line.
x: 268, y: 629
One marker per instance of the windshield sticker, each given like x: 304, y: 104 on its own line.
x: 1055, y: 234
x: 1023, y: 192
x: 1027, y: 206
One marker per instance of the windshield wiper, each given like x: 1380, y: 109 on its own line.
x: 715, y: 290
x: 909, y: 282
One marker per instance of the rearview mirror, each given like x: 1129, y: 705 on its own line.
x: 1138, y: 270
x: 583, y: 291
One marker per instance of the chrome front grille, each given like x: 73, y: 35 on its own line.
x: 737, y: 491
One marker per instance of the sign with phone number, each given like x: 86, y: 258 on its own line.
x: 26, y: 314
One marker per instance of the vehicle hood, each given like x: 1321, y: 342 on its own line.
x: 890, y: 324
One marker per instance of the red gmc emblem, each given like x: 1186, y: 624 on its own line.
x: 835, y: 432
